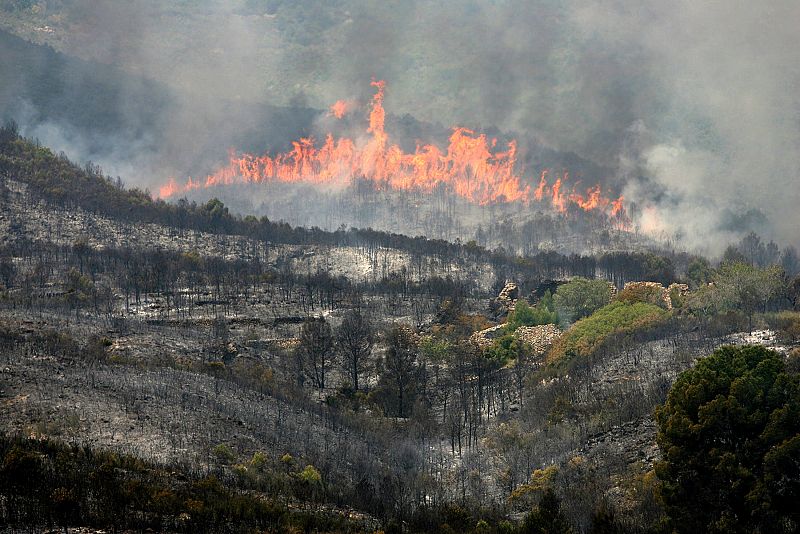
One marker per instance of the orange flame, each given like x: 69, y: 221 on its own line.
x: 559, y: 198
x: 542, y: 186
x: 617, y: 208
x: 169, y: 189
x: 340, y: 108
x: 471, y: 167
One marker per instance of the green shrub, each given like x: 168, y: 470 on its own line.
x: 650, y: 294
x: 310, y: 475
x: 677, y: 298
x: 786, y: 324
x: 505, y: 349
x: 45, y: 480
x: 525, y: 315
x: 259, y: 460
x: 585, y: 336
x: 223, y: 454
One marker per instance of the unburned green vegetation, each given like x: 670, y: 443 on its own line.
x: 589, y: 333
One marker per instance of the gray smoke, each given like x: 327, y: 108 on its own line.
x: 722, y: 141
x: 692, y: 106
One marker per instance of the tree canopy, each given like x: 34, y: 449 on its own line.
x: 581, y: 297
x: 730, y: 435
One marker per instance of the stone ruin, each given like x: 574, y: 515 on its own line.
x: 483, y: 339
x: 665, y: 292
x: 505, y: 301
x: 539, y: 338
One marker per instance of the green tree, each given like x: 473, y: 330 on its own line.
x: 581, y: 297
x: 505, y: 349
x: 730, y: 435
x: 310, y: 474
x: 746, y: 288
x: 78, y: 289
x: 525, y: 315
x: 398, y: 383
x: 699, y: 272
x: 310, y: 482
x: 215, y: 209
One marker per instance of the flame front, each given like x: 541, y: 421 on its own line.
x: 471, y: 167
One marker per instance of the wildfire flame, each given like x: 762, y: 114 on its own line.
x: 339, y: 108
x: 470, y: 166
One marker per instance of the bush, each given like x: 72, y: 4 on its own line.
x: 585, y: 336
x: 786, y: 324
x: 525, y: 315
x: 223, y: 454
x: 45, y: 481
x: 505, y: 349
x: 643, y: 292
x: 310, y: 475
x: 547, y: 517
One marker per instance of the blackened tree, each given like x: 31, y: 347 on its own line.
x: 355, y: 339
x: 316, y: 350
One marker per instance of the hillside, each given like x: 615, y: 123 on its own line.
x: 399, y: 267
x: 203, y: 343
x: 136, y: 127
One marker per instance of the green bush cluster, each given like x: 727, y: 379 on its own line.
x: 649, y: 294
x: 504, y: 349
x: 586, y: 335
x: 581, y: 297
x: 526, y: 315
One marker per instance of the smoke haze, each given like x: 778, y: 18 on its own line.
x: 690, y: 109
